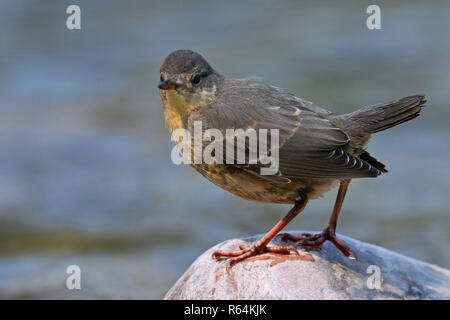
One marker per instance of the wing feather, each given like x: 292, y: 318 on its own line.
x: 309, y: 144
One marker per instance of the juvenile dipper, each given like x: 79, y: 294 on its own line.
x: 317, y: 149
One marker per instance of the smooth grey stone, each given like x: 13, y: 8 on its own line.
x: 317, y: 274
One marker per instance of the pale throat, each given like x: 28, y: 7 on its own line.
x: 177, y: 107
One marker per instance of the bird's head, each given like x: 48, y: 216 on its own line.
x: 186, y: 77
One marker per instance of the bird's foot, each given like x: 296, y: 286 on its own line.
x: 307, y: 240
x: 244, y: 253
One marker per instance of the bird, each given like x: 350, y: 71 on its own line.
x: 317, y: 150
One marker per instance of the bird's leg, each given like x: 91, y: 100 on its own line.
x: 315, y: 241
x: 261, y: 246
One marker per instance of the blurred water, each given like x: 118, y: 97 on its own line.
x: 85, y: 170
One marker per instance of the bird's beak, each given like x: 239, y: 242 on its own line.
x: 167, y: 85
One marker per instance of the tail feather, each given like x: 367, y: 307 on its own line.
x: 362, y: 123
x: 384, y: 116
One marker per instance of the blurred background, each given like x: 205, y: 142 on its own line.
x: 85, y: 170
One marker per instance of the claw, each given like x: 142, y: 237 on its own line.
x: 217, y: 257
x: 228, y: 268
x: 353, y: 256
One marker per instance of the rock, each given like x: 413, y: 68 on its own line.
x: 319, y: 274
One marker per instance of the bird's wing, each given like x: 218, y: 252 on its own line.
x: 309, y: 144
x: 319, y: 149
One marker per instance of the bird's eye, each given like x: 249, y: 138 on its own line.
x: 196, y: 79
x: 161, y: 78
